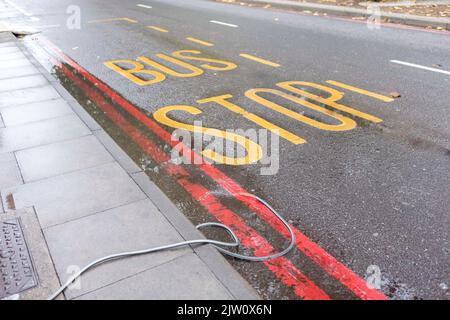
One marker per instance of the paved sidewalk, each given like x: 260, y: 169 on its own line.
x: 91, y: 200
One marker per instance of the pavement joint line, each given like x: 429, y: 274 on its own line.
x: 15, y: 6
x: 1, y: 120
x: 17, y: 78
x: 48, y: 248
x: 21, y: 104
x: 65, y: 172
x: 260, y: 60
x: 418, y: 66
x: 34, y: 121
x: 205, y: 43
x: 133, y: 275
x: 113, y: 19
x: 224, y: 23
x: 157, y: 28
x: 144, y: 6
x: 361, y: 91
x: 104, y: 211
x: 47, y: 143
x: 18, y: 166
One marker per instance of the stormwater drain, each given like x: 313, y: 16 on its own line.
x: 16, y: 267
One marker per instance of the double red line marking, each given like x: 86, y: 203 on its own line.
x: 281, y: 267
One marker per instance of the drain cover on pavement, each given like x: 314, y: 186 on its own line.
x: 16, y: 268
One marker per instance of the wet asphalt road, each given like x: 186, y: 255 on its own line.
x: 375, y: 195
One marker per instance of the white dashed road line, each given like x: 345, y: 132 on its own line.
x: 144, y: 6
x: 224, y: 23
x: 418, y: 66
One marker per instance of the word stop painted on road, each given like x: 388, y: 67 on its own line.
x: 146, y: 71
x: 254, y: 150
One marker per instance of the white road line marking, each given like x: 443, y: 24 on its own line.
x: 49, y: 26
x: 144, y: 6
x: 224, y: 23
x: 418, y: 66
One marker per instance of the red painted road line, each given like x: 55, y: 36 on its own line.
x: 281, y: 267
x: 316, y: 253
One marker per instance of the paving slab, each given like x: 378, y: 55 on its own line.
x: 4, y: 57
x: 8, y: 44
x: 22, y: 83
x: 32, y: 112
x: 172, y: 280
x: 9, y: 49
x: 9, y: 171
x: 135, y: 226
x: 39, y: 133
x: 62, y: 157
x: 10, y: 15
x: 18, y: 72
x: 15, y: 64
x: 31, y: 95
x: 75, y: 195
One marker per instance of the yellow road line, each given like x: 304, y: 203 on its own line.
x: 208, y: 44
x: 157, y: 29
x: 113, y: 19
x: 263, y: 61
x: 361, y: 91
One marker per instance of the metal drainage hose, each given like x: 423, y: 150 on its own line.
x: 216, y: 244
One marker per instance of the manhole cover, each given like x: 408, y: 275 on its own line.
x: 16, y: 268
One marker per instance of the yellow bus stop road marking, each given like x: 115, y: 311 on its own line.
x: 113, y: 19
x: 260, y: 60
x: 361, y: 91
x: 208, y: 44
x: 157, y: 29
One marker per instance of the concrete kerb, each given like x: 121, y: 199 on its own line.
x: 408, y: 19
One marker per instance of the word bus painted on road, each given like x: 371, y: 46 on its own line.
x: 140, y: 71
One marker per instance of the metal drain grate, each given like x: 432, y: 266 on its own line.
x: 16, y: 267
